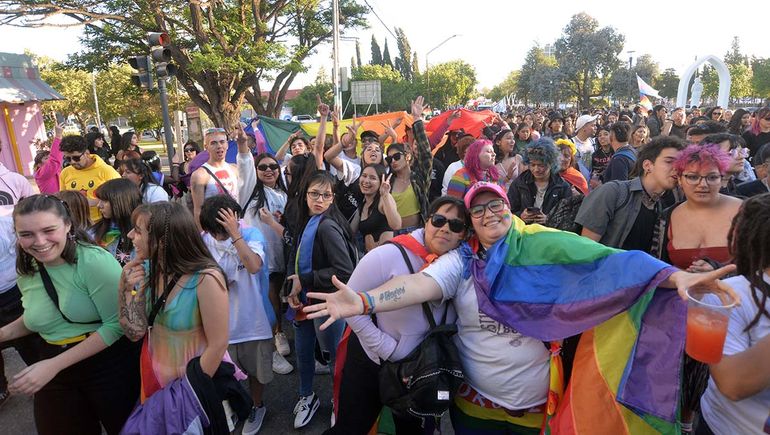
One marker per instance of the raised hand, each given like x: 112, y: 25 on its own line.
x: 323, y: 109
x: 229, y: 221
x: 58, y: 130
x: 343, y: 303
x: 418, y: 105
x: 133, y: 275
x: 455, y: 115
x: 708, y: 280
x: 241, y: 138
x: 385, y: 184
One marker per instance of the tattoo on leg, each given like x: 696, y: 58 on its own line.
x: 392, y: 295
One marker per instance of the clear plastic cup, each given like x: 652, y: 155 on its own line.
x: 707, y: 317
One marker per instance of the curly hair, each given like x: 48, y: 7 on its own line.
x: 748, y: 242
x: 543, y: 150
x: 702, y: 155
x: 473, y: 164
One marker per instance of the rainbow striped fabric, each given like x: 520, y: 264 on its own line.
x: 551, y: 285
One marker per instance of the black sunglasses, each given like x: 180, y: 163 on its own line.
x: 187, y: 150
x: 394, y: 158
x: 272, y: 166
x: 73, y: 158
x: 455, y: 225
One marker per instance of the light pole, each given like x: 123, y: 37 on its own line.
x: 427, y: 66
x: 630, y: 58
x: 337, y: 105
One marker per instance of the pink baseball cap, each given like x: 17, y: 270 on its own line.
x: 481, y: 187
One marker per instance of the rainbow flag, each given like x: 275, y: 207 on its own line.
x: 551, y: 285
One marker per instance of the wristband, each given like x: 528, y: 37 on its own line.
x: 239, y: 238
x: 368, y: 302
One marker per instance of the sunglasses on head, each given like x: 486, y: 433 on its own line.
x: 215, y: 130
x: 272, y: 166
x: 394, y: 157
x: 455, y: 225
x: 74, y: 158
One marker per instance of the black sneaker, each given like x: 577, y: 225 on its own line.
x: 4, y: 396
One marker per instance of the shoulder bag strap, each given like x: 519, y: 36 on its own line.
x: 219, y: 182
x: 51, y: 290
x: 161, y: 301
x: 425, y: 308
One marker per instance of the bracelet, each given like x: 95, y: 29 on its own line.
x: 239, y: 238
x: 368, y: 302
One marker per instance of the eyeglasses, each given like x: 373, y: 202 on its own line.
x: 739, y: 152
x: 315, y: 195
x: 74, y: 158
x: 271, y: 166
x: 455, y: 225
x: 716, y: 113
x: 495, y: 206
x: 394, y: 157
x: 189, y: 150
x: 215, y: 130
x: 695, y: 179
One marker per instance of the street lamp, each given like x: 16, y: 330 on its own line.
x: 427, y: 66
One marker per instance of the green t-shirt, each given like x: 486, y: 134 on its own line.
x: 88, y: 292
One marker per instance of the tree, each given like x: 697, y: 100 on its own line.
x: 734, y: 55
x: 760, y: 79
x: 587, y: 57
x: 415, y: 65
x: 75, y: 87
x: 668, y: 83
x: 396, y: 92
x: 376, y: 53
x: 506, y: 87
x: 740, y: 71
x: 539, y: 79
x: 624, y: 85
x: 306, y: 103
x: 358, y: 55
x: 386, y: 60
x: 451, y: 83
x: 403, y: 62
x: 225, y: 50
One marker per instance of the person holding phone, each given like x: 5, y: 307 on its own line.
x: 538, y: 189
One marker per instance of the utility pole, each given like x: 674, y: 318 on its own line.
x: 96, y: 102
x: 337, y: 105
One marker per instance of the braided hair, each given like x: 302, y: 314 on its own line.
x: 748, y: 240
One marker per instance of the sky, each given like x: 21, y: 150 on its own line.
x: 495, y: 35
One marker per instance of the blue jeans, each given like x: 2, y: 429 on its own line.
x: 305, y: 333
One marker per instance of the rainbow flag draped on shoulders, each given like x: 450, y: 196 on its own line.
x: 551, y: 285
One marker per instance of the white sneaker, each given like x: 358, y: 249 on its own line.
x: 280, y: 365
x: 282, y: 344
x: 254, y: 422
x: 321, y: 369
x: 334, y: 417
x: 304, y: 410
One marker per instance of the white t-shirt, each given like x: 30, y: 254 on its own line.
x: 249, y: 319
x: 505, y: 366
x: 154, y: 193
x: 7, y: 254
x: 450, y: 171
x: 748, y: 415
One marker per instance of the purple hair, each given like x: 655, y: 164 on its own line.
x: 759, y: 114
x: 473, y: 164
x: 701, y: 155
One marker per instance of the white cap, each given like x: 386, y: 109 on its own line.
x: 583, y: 120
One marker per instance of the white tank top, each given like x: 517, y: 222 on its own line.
x: 227, y: 176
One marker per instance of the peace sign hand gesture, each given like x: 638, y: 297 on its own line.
x: 323, y: 109
x: 385, y: 185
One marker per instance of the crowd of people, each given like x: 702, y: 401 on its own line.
x: 140, y: 301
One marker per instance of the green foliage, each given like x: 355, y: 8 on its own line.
x: 403, y: 62
x: 668, y: 83
x: 74, y: 85
x: 415, y: 65
x: 376, y: 53
x: 760, y: 79
x: 225, y: 50
x: 305, y: 103
x: 506, y: 87
x: 539, y: 80
x: 450, y: 83
x: 624, y: 85
x: 358, y: 55
x: 587, y: 56
x: 741, y: 86
x: 396, y: 92
x: 376, y: 72
x: 386, y: 60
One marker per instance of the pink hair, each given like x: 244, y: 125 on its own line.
x: 702, y: 155
x: 473, y: 164
x: 759, y: 114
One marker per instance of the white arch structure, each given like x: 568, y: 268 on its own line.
x: 725, y: 81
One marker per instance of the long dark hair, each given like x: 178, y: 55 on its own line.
x: 325, y: 179
x: 258, y: 194
x: 748, y: 241
x: 114, y: 138
x: 125, y: 140
x: 139, y: 166
x: 735, y: 126
x: 171, y: 231
x: 124, y: 197
x: 26, y: 263
x: 302, y: 168
x: 380, y: 170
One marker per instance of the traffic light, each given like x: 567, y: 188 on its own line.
x: 142, y: 77
x: 161, y: 54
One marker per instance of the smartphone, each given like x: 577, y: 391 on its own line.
x: 533, y: 210
x: 286, y: 290
x: 59, y: 118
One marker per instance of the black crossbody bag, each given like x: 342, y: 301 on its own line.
x: 51, y: 290
x: 424, y: 382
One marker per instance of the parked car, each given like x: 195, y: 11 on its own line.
x: 303, y: 119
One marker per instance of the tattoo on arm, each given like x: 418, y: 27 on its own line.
x: 133, y: 316
x: 392, y: 295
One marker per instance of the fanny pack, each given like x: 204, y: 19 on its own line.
x: 425, y: 382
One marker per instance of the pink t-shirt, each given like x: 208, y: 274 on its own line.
x: 47, y: 175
